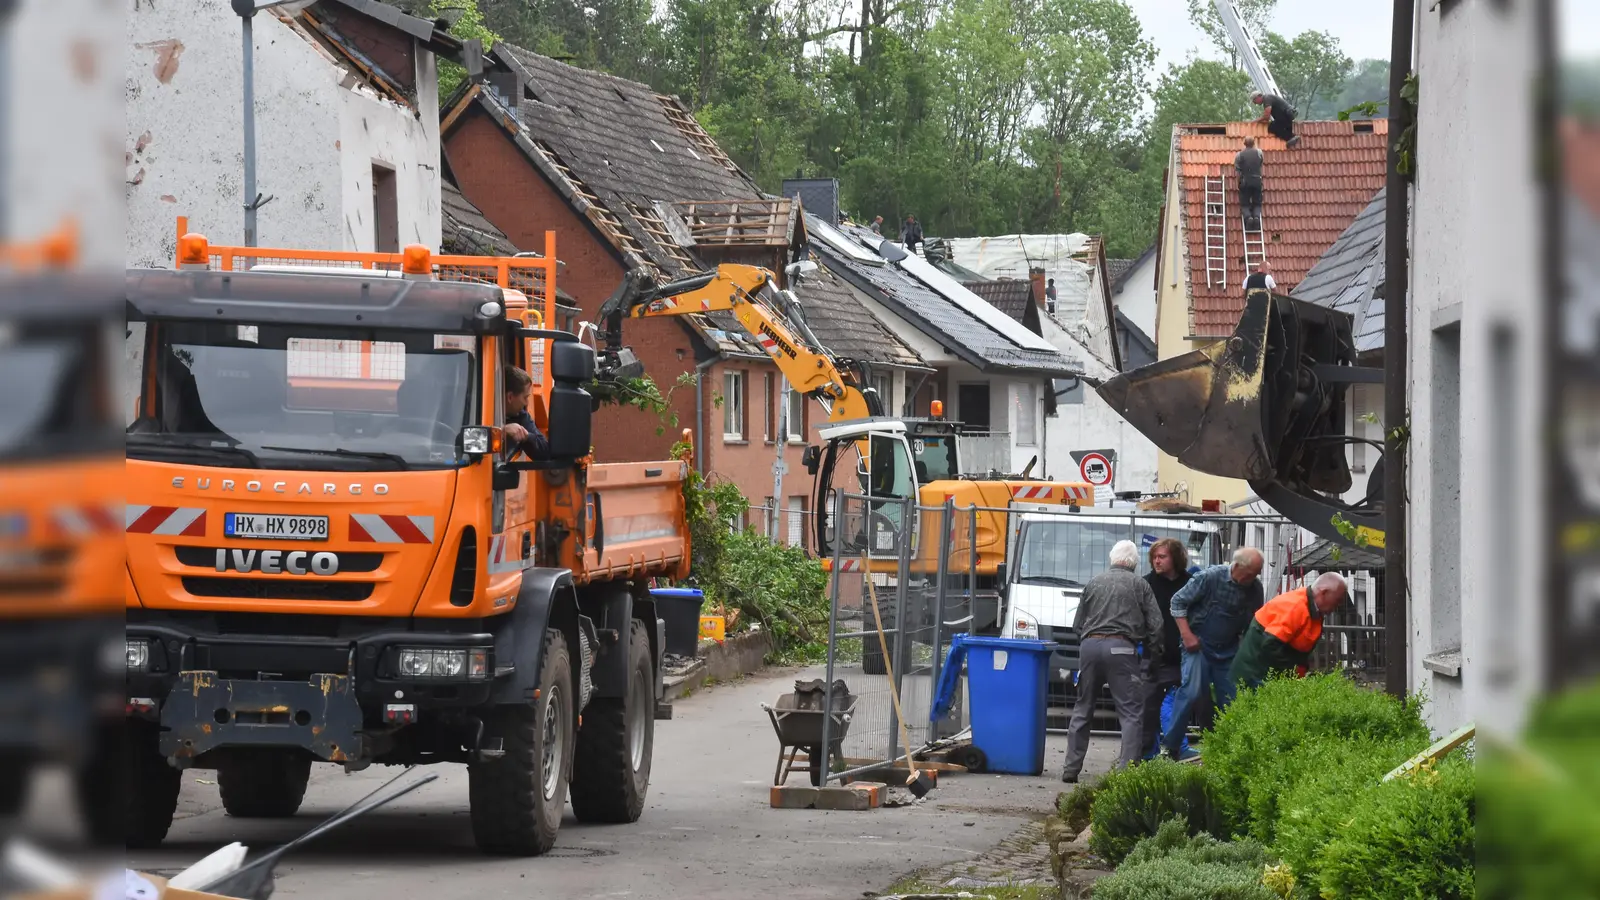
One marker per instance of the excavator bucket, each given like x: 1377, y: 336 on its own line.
x: 1267, y: 405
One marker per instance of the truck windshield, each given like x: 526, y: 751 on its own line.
x: 303, y: 397
x: 1071, y: 550
x: 58, y: 401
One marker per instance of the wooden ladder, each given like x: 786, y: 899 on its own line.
x: 1216, y: 230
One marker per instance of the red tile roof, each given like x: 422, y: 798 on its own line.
x: 1581, y: 153
x: 1311, y: 195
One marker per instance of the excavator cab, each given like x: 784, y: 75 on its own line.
x: 871, y: 458
x: 1267, y: 405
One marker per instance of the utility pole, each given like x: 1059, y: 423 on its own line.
x: 8, y: 16
x: 246, y: 11
x: 1396, y: 294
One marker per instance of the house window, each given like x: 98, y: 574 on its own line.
x: 797, y: 521
x: 769, y: 429
x: 884, y: 385
x: 797, y: 416
x: 385, y: 210
x: 1027, y: 404
x: 972, y: 405
x: 733, y: 406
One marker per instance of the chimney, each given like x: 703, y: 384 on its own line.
x: 1037, y: 277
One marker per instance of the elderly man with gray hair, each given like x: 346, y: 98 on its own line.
x: 1116, y: 614
x: 1212, y: 611
x: 1283, y: 633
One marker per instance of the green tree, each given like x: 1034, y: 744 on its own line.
x: 1368, y: 82
x: 470, y: 25
x: 1310, y: 70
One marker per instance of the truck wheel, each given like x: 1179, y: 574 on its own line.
x: 611, y: 773
x: 263, y: 784
x: 517, y: 800
x: 150, y: 788
x: 872, y: 656
x: 98, y: 790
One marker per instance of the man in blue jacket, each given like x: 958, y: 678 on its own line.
x: 1212, y: 612
x: 521, y: 433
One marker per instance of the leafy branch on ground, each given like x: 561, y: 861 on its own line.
x: 643, y: 394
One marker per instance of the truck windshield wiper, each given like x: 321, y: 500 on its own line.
x: 395, y: 458
x: 162, y: 441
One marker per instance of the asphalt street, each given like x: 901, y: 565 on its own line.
x: 707, y: 832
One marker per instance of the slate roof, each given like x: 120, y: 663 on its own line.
x: 1349, y: 276
x: 956, y: 329
x: 466, y: 231
x: 620, y: 142
x: 845, y: 327
x: 1012, y: 296
x: 1116, y: 268
x: 1311, y: 193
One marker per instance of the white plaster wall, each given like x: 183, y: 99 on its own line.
x: 1094, y: 425
x: 1138, y: 298
x: 63, y: 125
x: 1473, y: 241
x: 317, y: 136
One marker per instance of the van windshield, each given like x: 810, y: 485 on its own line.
x: 1073, y: 549
x: 304, y: 397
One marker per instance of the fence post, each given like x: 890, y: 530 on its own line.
x: 946, y: 522
x: 833, y: 629
x: 902, y: 632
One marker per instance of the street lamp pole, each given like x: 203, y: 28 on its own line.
x: 246, y: 11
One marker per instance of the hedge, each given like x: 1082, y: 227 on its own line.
x: 1171, y: 864
x: 1132, y: 803
x: 1406, y: 839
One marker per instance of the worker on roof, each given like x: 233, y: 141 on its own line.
x: 877, y: 224
x: 911, y: 234
x: 520, y: 431
x: 1278, y: 115
x: 1261, y: 278
x: 1285, y: 630
x: 1248, y: 165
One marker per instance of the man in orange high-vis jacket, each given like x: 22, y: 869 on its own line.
x: 1286, y: 628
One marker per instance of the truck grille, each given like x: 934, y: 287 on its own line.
x: 277, y: 588
x: 206, y: 558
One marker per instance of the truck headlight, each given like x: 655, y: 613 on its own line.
x: 1024, y: 626
x: 138, y: 654
x: 476, y: 440
x: 465, y: 664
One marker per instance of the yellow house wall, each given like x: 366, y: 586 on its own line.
x: 1172, y: 339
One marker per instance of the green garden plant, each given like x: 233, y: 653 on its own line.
x: 1131, y: 804
x: 1173, y: 864
x: 1406, y: 839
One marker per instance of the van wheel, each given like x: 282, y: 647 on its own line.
x: 263, y: 784
x: 611, y: 774
x: 150, y: 787
x: 517, y: 800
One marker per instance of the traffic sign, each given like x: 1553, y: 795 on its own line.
x: 1095, y: 469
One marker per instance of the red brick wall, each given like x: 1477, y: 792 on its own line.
x: 494, y: 174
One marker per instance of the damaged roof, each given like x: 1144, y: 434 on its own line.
x: 1012, y: 296
x: 465, y: 230
x: 1310, y: 195
x: 1349, y: 276
x: 845, y: 327
x: 956, y: 323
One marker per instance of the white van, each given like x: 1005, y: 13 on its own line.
x: 1053, y: 554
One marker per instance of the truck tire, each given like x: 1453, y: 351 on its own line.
x: 15, y: 774
x: 98, y: 790
x: 611, y: 773
x: 263, y: 784
x: 517, y: 800
x: 150, y: 788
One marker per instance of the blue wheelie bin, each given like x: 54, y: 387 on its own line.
x: 1006, y: 681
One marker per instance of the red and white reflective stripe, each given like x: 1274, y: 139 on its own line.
x: 1031, y: 492
x: 1079, y: 493
x: 767, y: 344
x: 372, y: 528
x: 497, y: 556
x: 85, y: 520
x: 705, y: 305
x: 188, y: 521
x: 849, y: 565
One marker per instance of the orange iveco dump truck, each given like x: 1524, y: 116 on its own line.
x: 335, y: 555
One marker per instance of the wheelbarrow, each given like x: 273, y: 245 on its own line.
x: 798, y: 718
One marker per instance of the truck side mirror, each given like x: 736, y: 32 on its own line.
x: 506, y: 478
x: 811, y: 457
x: 1000, y: 573
x: 571, y: 420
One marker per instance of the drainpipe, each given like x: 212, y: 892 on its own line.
x: 700, y: 413
x: 1397, y: 280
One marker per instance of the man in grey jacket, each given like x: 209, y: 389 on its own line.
x: 1117, y: 613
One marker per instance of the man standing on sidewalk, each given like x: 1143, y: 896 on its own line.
x: 1117, y: 612
x: 1212, y: 611
x: 1169, y: 572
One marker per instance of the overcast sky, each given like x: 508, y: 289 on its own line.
x: 1362, y: 26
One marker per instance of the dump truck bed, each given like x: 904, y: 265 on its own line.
x: 639, y: 528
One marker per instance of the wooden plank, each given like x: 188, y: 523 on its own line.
x: 1439, y: 748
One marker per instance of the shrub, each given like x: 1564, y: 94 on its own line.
x: 1302, y: 781
x: 1076, y: 807
x: 1131, y: 804
x: 1171, y: 863
x: 1406, y: 839
x: 782, y: 588
x: 1283, y: 714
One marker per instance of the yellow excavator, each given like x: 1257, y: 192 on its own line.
x: 893, y: 457
x: 1267, y: 405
